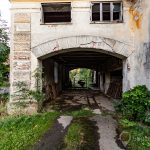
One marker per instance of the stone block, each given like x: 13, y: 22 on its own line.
x: 22, y: 46
x: 15, y: 88
x: 22, y: 18
x: 22, y: 27
x: 21, y: 76
x: 22, y: 65
x: 22, y: 55
x: 22, y: 37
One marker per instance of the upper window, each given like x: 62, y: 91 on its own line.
x: 56, y: 12
x: 107, y: 11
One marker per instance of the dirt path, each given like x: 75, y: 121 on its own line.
x: 103, y: 108
x: 53, y: 139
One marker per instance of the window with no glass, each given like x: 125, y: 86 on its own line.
x: 107, y: 11
x: 56, y: 12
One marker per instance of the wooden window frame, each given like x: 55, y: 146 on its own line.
x: 111, y: 12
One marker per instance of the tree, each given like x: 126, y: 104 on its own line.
x: 4, y: 52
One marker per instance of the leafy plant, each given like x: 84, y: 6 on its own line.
x: 25, y: 93
x: 147, y: 118
x: 4, y: 53
x: 39, y: 96
x: 127, y: 124
x: 135, y: 108
x: 4, y: 98
x: 139, y: 134
x: 135, y: 103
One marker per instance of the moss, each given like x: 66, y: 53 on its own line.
x: 80, y: 113
x: 83, y: 135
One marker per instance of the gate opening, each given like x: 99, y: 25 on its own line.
x: 81, y: 78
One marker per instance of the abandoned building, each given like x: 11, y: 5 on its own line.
x: 110, y: 37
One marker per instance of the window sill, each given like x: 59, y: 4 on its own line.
x: 59, y: 23
x: 106, y: 22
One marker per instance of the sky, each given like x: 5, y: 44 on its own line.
x: 4, y: 7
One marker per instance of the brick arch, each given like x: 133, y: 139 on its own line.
x: 88, y: 42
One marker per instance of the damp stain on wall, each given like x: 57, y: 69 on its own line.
x: 135, y: 18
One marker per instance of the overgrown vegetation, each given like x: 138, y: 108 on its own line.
x: 4, y: 53
x: 134, y: 109
x: 138, y: 135
x: 135, y: 104
x: 19, y: 133
x: 24, y: 92
x: 82, y: 135
x: 3, y: 100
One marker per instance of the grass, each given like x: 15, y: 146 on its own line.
x: 81, y: 135
x: 139, y: 134
x: 19, y: 133
x: 80, y: 113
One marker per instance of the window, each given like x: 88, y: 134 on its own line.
x: 107, y: 11
x: 96, y: 12
x: 56, y: 12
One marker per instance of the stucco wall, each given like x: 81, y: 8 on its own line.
x: 80, y: 24
x: 137, y: 66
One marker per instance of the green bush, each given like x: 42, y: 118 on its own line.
x: 139, y: 134
x: 135, y: 104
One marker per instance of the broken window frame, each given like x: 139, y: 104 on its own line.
x: 57, y: 22
x: 120, y: 20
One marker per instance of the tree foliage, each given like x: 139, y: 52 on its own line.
x: 4, y: 52
x: 81, y: 74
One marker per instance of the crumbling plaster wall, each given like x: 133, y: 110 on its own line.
x: 137, y: 66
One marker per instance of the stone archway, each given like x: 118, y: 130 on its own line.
x: 100, y: 44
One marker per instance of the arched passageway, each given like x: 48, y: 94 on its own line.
x: 106, y: 56
x: 106, y: 69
